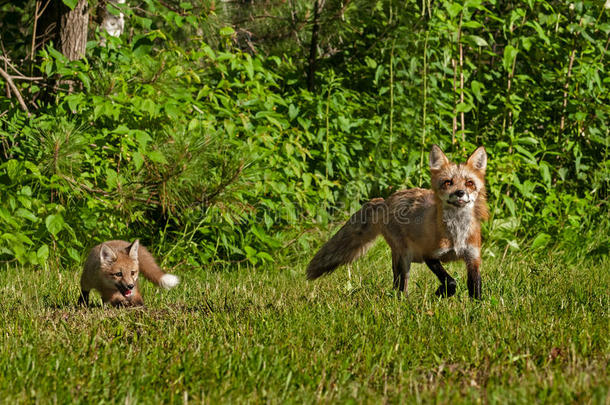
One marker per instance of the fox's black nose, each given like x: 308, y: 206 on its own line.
x: 130, y: 286
x: 460, y: 193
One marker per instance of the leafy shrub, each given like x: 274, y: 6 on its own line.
x: 218, y: 155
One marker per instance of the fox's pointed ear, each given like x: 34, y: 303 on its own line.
x: 437, y: 158
x: 133, y: 249
x: 107, y: 255
x: 478, y: 159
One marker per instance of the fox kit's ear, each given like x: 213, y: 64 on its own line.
x: 133, y: 249
x: 437, y: 158
x: 478, y: 159
x: 107, y: 255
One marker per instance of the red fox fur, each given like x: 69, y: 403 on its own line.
x: 113, y: 269
x: 432, y: 226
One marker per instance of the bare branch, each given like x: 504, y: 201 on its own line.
x: 15, y: 90
x: 20, y: 76
x: 34, y: 30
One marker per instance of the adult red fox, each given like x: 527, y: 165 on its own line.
x: 432, y: 226
x: 113, y: 268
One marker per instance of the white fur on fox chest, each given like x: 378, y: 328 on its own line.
x: 458, y: 224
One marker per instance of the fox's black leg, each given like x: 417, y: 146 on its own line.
x: 448, y: 284
x: 474, y: 278
x: 401, y: 266
x: 83, y: 299
x: 396, y: 272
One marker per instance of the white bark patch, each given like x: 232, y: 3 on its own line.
x: 114, y: 24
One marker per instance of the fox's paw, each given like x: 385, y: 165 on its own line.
x: 169, y: 281
x: 446, y: 289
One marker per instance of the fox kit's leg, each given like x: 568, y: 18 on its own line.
x: 83, y: 299
x: 448, y: 284
x: 136, y: 299
x: 114, y: 298
x: 401, y: 265
x: 474, y: 277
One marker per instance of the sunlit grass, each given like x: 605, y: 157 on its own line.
x: 265, y: 334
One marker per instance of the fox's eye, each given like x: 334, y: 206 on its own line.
x: 133, y: 273
x: 447, y: 183
x: 119, y: 274
x: 469, y: 183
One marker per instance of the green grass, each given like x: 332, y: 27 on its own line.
x: 541, y: 334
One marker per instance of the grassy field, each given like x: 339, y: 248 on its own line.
x: 541, y: 334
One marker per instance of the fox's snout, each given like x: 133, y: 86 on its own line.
x: 126, y: 288
x: 459, y: 198
x: 127, y: 285
x: 125, y: 282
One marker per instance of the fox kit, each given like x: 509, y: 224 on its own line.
x: 113, y: 269
x: 432, y: 226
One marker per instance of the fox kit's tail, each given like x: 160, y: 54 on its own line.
x: 153, y: 272
x: 351, y: 241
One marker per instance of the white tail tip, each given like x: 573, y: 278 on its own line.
x: 169, y: 281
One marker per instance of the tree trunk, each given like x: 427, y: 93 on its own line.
x: 73, y: 30
x: 313, y: 47
x: 66, y: 28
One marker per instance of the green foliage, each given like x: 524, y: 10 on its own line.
x: 163, y: 139
x: 175, y: 135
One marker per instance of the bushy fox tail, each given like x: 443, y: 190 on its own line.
x: 153, y: 272
x: 351, y: 241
